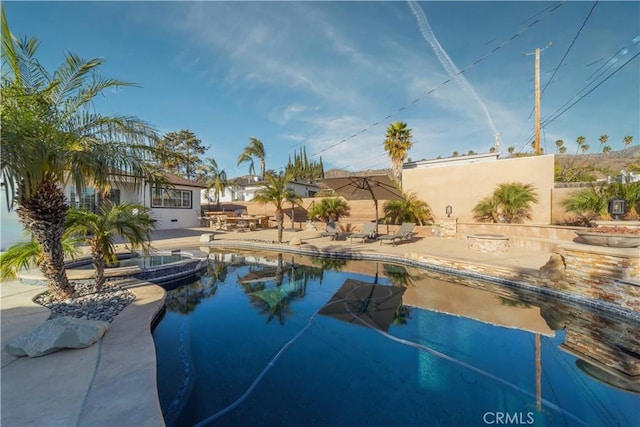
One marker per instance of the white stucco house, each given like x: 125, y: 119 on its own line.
x: 243, y: 188
x: 174, y: 205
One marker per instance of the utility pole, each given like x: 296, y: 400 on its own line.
x: 536, y: 96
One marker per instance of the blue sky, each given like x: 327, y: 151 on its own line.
x: 331, y: 76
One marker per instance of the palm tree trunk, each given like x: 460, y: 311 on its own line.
x: 280, y: 220
x: 43, y: 214
x: 97, y: 257
x: 396, y: 170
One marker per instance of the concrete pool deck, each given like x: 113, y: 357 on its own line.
x: 113, y: 382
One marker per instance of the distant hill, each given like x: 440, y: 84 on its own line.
x: 340, y: 173
x: 605, y: 165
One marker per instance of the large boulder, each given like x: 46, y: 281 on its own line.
x: 56, y: 334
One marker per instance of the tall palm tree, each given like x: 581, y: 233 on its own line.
x: 254, y: 149
x: 276, y: 192
x: 128, y: 220
x: 51, y: 136
x: 559, y: 144
x: 627, y: 140
x: 603, y: 140
x: 580, y: 141
x: 215, y: 179
x: 397, y: 144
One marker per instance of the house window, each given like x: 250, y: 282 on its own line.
x: 89, y: 199
x: 170, y: 198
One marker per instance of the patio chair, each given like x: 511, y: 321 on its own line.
x: 368, y: 231
x: 332, y: 230
x: 405, y: 232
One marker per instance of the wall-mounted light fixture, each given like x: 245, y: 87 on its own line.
x: 448, y: 210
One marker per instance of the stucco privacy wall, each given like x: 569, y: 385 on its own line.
x: 462, y: 186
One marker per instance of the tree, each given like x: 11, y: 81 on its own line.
x: 511, y: 149
x: 330, y: 208
x: 214, y: 178
x: 606, y: 150
x: 509, y: 202
x: 595, y: 199
x: 254, y: 149
x: 559, y: 145
x: 397, y: 144
x: 455, y: 154
x: 584, y: 148
x: 580, y: 141
x: 563, y: 149
x: 24, y: 255
x: 51, y: 136
x: 303, y: 169
x: 409, y: 209
x: 627, y: 140
x: 180, y: 153
x: 276, y: 192
x: 100, y: 230
x: 603, y: 140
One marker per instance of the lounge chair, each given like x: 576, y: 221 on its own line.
x: 332, y: 230
x: 405, y: 232
x: 368, y: 231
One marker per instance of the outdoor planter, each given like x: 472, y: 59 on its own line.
x: 614, y: 240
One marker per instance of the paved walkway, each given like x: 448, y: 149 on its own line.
x: 114, y: 381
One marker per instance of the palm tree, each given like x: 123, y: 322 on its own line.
x: 276, y: 192
x: 50, y: 136
x: 584, y: 148
x: 330, y: 208
x: 606, y: 150
x: 509, y: 202
x: 559, y: 144
x: 627, y: 140
x: 603, y: 140
x: 24, y: 255
x: 397, y: 144
x: 511, y: 149
x: 409, y: 209
x: 215, y: 178
x: 563, y: 149
x: 254, y: 149
x: 580, y: 141
x: 128, y: 220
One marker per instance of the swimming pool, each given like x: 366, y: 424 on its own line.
x: 273, y: 340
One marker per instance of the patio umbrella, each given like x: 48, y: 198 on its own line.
x: 357, y: 302
x: 365, y: 187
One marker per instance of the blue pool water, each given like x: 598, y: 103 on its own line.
x: 457, y: 356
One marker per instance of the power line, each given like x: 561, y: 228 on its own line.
x: 552, y: 9
x: 592, y: 89
x: 571, y: 45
